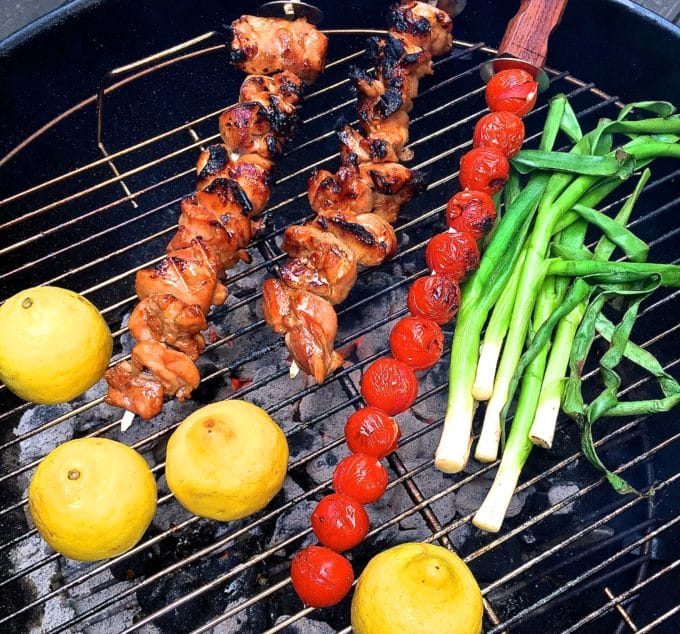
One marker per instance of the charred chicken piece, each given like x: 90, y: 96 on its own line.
x: 133, y: 390
x: 427, y: 26
x: 381, y: 97
x: 309, y: 324
x: 393, y: 185
x: 253, y: 174
x: 268, y: 45
x: 246, y: 129
x: 169, y: 320
x: 397, y: 55
x: 173, y: 369
x: 321, y: 263
x: 356, y: 145
x: 278, y: 95
x: 371, y: 237
x: 190, y: 274
x: 344, y: 191
x: 392, y: 131
x: 225, y: 232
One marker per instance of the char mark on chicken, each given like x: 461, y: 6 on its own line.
x: 371, y: 237
x: 427, y: 26
x: 343, y: 191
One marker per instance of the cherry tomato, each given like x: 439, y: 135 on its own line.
x: 361, y: 477
x: 511, y: 90
x: 321, y: 577
x: 435, y: 297
x: 484, y: 169
x: 471, y: 212
x: 502, y: 130
x: 371, y: 431
x: 417, y: 342
x: 339, y: 522
x: 454, y: 253
x: 390, y: 385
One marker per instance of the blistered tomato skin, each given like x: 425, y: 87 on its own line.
x: 390, y: 385
x: 371, y: 431
x: 484, y: 169
x: 502, y: 130
x: 417, y: 342
x: 434, y: 297
x: 321, y: 577
x: 453, y: 253
x: 471, y: 212
x: 513, y: 90
x: 339, y: 522
x: 361, y: 477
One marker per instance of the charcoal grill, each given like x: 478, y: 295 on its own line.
x: 86, y: 202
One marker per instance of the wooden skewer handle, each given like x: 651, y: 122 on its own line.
x: 527, y: 34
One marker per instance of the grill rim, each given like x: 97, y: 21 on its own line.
x: 325, y: 448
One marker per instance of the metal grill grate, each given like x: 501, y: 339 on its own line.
x: 92, y: 227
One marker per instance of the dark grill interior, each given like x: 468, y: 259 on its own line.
x: 572, y: 556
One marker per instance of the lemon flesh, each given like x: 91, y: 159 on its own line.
x: 92, y: 498
x: 226, y: 460
x: 54, y: 344
x: 414, y: 588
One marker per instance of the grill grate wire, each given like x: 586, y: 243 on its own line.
x: 406, y: 474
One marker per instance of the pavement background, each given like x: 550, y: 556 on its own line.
x: 15, y: 14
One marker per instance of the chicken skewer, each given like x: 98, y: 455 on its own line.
x: 217, y: 222
x: 357, y: 205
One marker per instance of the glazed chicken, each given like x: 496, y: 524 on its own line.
x: 370, y: 237
x: 251, y: 172
x: 169, y: 320
x: 190, y: 274
x: 269, y: 45
x: 321, y: 263
x: 309, y: 324
x: 344, y: 191
x: 393, y: 185
x: 426, y: 26
x: 173, y: 369
x: 234, y: 181
x: 133, y: 389
x: 358, y: 204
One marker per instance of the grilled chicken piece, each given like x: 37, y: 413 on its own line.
x: 279, y: 95
x: 246, y: 129
x: 381, y: 97
x: 426, y: 26
x: 173, y: 369
x: 251, y: 172
x: 169, y: 320
x: 343, y: 191
x: 267, y: 45
x: 355, y: 145
x: 393, y: 131
x: 393, y: 185
x: 371, y: 237
x: 225, y: 232
x: 309, y: 324
x: 321, y: 263
x: 133, y: 390
x: 190, y: 274
x: 397, y: 50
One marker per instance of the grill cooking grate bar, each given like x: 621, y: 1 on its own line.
x: 448, y: 138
